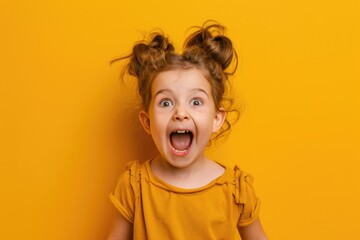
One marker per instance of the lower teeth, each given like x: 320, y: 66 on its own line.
x: 179, y: 151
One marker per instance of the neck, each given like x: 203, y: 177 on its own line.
x: 195, y: 167
x: 195, y: 175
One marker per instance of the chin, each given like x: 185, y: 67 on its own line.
x: 179, y: 161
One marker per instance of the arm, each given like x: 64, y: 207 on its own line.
x: 254, y: 231
x: 121, y: 229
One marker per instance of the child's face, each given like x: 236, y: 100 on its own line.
x: 181, y: 116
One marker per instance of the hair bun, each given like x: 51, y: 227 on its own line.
x: 212, y: 41
x: 158, y: 41
x: 149, y: 53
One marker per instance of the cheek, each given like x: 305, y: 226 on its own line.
x: 205, y: 124
x: 158, y: 123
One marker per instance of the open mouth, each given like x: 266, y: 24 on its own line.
x: 181, y: 140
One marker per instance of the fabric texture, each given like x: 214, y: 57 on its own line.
x: 161, y: 211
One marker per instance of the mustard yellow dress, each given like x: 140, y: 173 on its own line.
x: 161, y: 211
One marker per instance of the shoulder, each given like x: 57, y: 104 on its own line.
x: 245, y: 195
x: 127, y: 190
x: 128, y: 181
x: 131, y: 176
x: 132, y: 168
x: 237, y: 176
x: 243, y: 185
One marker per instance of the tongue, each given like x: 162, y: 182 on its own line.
x: 180, y: 141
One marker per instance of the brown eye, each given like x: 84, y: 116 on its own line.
x: 196, y: 102
x: 165, y: 103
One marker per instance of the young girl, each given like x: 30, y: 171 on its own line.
x: 182, y: 194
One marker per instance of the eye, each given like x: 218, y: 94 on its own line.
x: 196, y: 102
x: 165, y: 103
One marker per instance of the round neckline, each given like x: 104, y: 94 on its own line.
x: 167, y: 186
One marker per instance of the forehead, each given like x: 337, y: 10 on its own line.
x: 187, y: 79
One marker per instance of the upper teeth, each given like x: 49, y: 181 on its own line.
x: 181, y: 131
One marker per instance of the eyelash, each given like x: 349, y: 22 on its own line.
x: 196, y: 100
x: 161, y: 103
x: 170, y: 103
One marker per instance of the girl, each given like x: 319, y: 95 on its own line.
x: 182, y: 194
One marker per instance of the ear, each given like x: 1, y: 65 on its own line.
x: 219, y: 119
x: 145, y: 121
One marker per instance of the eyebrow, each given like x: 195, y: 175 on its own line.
x: 161, y: 91
x: 200, y: 90
x: 192, y: 90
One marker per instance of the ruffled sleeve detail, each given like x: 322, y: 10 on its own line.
x: 127, y: 191
x: 246, y: 198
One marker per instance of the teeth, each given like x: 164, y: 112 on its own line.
x: 180, y: 151
x: 181, y: 131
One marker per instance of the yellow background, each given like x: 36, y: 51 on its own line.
x: 67, y: 128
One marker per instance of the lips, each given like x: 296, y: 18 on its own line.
x: 181, y: 141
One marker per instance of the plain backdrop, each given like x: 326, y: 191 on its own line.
x: 68, y: 124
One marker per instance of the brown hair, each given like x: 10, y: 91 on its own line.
x: 207, y: 49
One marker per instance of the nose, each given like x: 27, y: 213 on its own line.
x: 180, y: 113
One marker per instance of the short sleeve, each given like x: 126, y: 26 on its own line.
x: 246, y: 197
x: 125, y: 193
